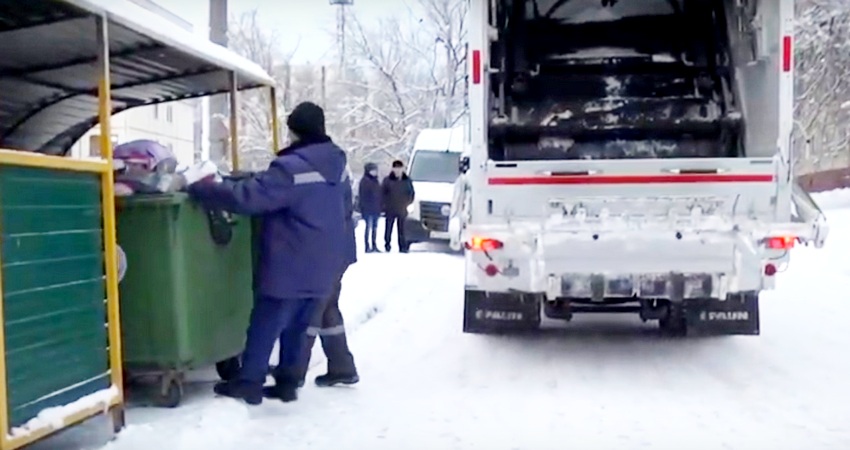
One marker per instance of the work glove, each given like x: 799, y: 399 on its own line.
x: 205, y: 171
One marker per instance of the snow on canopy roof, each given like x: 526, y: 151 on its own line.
x: 154, y: 26
x: 49, y: 71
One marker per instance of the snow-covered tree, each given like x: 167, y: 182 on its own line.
x: 822, y: 110
x: 402, y: 73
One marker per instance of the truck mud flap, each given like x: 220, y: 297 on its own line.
x: 494, y: 313
x: 738, y: 315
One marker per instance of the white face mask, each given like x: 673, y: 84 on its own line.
x: 398, y: 171
x: 374, y: 173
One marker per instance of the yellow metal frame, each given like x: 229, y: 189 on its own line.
x: 275, y: 121
x: 105, y: 169
x: 110, y: 235
x: 27, y: 159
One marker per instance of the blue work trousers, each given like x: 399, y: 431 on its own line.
x: 272, y: 318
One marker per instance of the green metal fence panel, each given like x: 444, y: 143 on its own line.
x: 53, y: 288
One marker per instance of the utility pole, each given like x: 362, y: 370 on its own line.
x: 219, y: 106
x: 340, y: 31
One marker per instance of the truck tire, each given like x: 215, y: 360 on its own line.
x: 500, y: 313
x: 675, y: 324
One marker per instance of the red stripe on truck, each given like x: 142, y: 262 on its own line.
x: 629, y: 179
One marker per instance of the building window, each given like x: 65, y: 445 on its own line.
x: 94, y: 144
x: 169, y: 114
x: 156, y: 111
x: 170, y: 147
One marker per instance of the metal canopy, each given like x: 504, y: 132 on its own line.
x: 49, y: 69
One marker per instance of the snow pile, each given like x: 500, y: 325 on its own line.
x: 54, y: 418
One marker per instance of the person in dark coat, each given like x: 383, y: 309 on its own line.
x: 398, y: 194
x: 301, y: 248
x: 369, y: 202
x: 328, y: 324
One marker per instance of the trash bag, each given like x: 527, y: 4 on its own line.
x: 146, y: 167
x: 146, y: 155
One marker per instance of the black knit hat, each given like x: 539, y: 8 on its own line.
x: 307, y: 120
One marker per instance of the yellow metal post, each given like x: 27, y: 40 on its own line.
x: 234, y: 121
x: 108, y: 198
x: 275, y: 122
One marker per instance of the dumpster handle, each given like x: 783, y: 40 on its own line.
x: 221, y: 226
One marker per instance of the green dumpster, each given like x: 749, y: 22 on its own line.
x: 187, y: 294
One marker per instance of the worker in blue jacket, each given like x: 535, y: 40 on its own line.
x: 302, y: 243
x: 327, y: 323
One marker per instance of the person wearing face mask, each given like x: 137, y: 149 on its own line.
x: 398, y: 194
x: 369, y: 204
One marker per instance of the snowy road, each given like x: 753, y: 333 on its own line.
x: 600, y: 383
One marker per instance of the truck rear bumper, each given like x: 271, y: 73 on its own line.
x: 489, y: 313
x: 663, y: 268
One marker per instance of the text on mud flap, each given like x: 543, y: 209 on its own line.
x: 729, y: 316
x: 487, y: 314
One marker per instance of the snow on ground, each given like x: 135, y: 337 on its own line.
x: 599, y: 382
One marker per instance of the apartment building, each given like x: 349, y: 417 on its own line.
x: 176, y: 125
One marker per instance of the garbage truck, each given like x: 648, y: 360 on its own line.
x: 629, y: 157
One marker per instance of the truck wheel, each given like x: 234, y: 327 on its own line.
x: 499, y: 313
x: 675, y: 324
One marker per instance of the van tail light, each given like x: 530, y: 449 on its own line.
x: 484, y: 244
x: 780, y: 242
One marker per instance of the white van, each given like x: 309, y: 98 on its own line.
x: 433, y: 168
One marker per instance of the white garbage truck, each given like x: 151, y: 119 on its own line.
x: 629, y: 156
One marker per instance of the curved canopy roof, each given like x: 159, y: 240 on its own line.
x: 49, y: 67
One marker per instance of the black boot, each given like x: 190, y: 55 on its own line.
x: 285, y: 391
x: 248, y: 392
x: 333, y: 379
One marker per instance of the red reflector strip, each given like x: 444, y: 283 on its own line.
x: 787, y: 53
x: 630, y: 179
x: 476, y: 67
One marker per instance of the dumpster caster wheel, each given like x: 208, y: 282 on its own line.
x: 116, y: 413
x: 228, y: 369
x: 170, y: 394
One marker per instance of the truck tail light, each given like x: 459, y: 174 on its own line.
x: 476, y: 67
x: 787, y: 53
x: 780, y: 242
x: 484, y: 244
